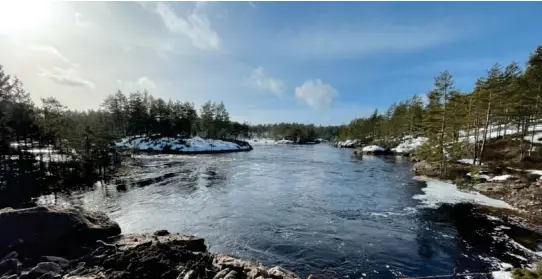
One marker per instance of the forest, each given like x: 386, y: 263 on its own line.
x: 52, y: 148
x: 293, y: 131
x: 508, y: 100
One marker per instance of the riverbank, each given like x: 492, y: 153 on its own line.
x: 521, y: 189
x: 172, y: 145
x: 75, y: 243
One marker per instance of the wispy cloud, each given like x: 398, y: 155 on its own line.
x: 50, y: 50
x: 196, y: 26
x: 259, y: 78
x: 316, y: 94
x: 67, y: 77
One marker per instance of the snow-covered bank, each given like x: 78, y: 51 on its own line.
x: 348, y: 143
x: 182, y: 146
x: 438, y: 192
x: 284, y: 141
x: 409, y: 145
x: 260, y: 141
x: 373, y: 148
x: 495, y: 131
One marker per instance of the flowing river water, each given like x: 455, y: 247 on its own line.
x: 314, y: 210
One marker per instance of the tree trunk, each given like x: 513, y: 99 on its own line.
x: 484, y: 139
x: 476, y: 137
x: 442, y: 130
x: 531, y: 147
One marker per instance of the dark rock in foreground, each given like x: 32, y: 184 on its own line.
x: 44, y: 229
x: 108, y: 254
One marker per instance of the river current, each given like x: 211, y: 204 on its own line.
x: 314, y: 210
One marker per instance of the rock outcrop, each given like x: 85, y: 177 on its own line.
x: 44, y: 229
x: 109, y: 255
x: 424, y: 168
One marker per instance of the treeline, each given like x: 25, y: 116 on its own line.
x: 508, y: 100
x: 50, y: 148
x: 140, y: 113
x: 47, y: 148
x: 293, y: 131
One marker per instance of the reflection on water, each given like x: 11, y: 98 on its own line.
x: 312, y: 209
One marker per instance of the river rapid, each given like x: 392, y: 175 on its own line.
x: 314, y: 210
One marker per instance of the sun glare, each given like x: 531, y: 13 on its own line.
x: 22, y: 16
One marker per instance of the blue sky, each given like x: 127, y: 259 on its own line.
x: 311, y: 62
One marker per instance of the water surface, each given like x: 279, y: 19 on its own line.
x: 312, y: 209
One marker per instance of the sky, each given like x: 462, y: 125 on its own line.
x: 309, y: 62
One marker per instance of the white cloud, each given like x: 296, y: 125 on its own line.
x: 80, y: 21
x: 68, y: 77
x: 50, y: 50
x: 260, y: 79
x: 196, y: 26
x: 146, y: 82
x: 316, y: 94
x: 141, y: 83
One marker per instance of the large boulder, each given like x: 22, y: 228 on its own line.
x: 40, y: 229
x: 426, y: 169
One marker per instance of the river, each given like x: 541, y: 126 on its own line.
x: 314, y: 210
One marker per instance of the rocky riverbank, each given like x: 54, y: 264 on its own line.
x: 520, y: 189
x: 47, y: 243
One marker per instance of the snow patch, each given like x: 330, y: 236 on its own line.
x: 284, y: 141
x: 501, y: 177
x: 439, y: 192
x: 194, y: 144
x: 409, y: 145
x: 537, y: 138
x: 347, y: 143
x: 260, y: 141
x: 373, y: 148
x: 467, y: 161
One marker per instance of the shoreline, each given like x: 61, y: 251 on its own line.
x: 78, y: 244
x: 519, y: 194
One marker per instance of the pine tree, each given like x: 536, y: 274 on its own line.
x: 491, y: 86
x: 443, y: 85
x: 207, y: 116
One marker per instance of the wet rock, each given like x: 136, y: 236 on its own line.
x: 232, y: 275
x: 50, y: 275
x: 221, y: 274
x: 10, y: 266
x: 44, y: 268
x: 63, y: 263
x: 188, y: 275
x: 161, y: 233
x: 11, y: 255
x: 281, y: 273
x: 250, y: 269
x: 56, y: 227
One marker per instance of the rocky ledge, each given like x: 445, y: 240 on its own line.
x: 77, y: 244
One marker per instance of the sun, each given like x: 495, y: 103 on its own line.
x: 23, y: 15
